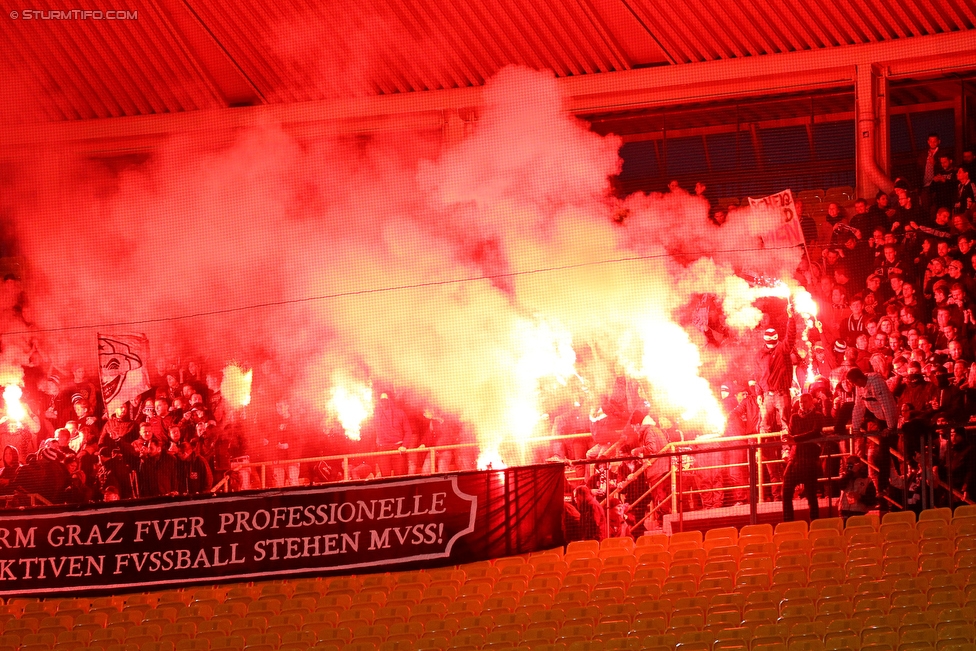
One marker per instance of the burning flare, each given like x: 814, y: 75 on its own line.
x: 804, y: 302
x: 490, y: 460
x: 544, y: 352
x: 352, y: 403
x: 15, y: 408
x: 236, y: 385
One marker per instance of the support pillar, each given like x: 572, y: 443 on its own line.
x: 871, y: 138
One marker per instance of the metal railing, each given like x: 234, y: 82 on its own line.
x: 758, y: 469
x: 760, y: 472
x: 262, y: 470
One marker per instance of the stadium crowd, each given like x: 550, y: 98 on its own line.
x: 891, y: 353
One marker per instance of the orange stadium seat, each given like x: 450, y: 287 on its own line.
x: 897, y: 582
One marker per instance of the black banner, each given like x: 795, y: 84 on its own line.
x: 370, y: 526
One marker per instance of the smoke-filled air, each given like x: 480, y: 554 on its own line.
x: 477, y: 277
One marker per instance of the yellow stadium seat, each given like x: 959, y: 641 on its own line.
x: 805, y: 644
x: 834, y: 524
x: 619, y: 560
x: 607, y: 630
x: 941, y: 514
x: 625, y: 543
x: 757, y: 549
x: 356, y: 645
x: 547, y: 635
x: 585, y: 580
x: 623, y: 644
x: 195, y: 645
x: 799, y: 546
x: 845, y: 625
x: 952, y: 645
x: 585, y: 645
x: 106, y: 604
x: 650, y: 575
x: 727, y: 552
x: 434, y: 643
x: 792, y: 576
x: 960, y: 631
x: 696, y: 639
x: 792, y: 608
x: 934, y: 529
x: 395, y: 645
x: 676, y: 588
x: 903, y: 567
x: 661, y: 640
x: 683, y: 537
x: 653, y: 540
x: 900, y: 517
x: 720, y: 620
x: 916, y: 633
x: 730, y: 645
x: 262, y: 640
x: 864, y: 532
x: 649, y: 623
x: 764, y: 531
x: 652, y: 557
x: 587, y: 547
x: 798, y: 526
x: 572, y: 631
x: 964, y: 511
x: 686, y: 622
x: 572, y: 596
x: 864, y: 569
x: 935, y: 564
x: 642, y: 592
x: 847, y: 641
x: 964, y: 526
x: 868, y: 520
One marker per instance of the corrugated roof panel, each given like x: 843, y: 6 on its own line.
x: 184, y: 55
x: 100, y: 68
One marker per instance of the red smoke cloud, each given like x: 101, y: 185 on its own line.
x: 269, y: 221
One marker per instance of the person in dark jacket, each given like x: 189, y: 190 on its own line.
x: 776, y: 376
x: 193, y: 475
x: 390, y: 430
x: 114, y: 474
x: 803, y: 466
x: 157, y: 472
x: 119, y: 430
x: 44, y: 475
x: 773, y: 385
x: 593, y: 522
x: 957, y: 467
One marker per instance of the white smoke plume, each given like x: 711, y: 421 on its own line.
x: 522, y: 206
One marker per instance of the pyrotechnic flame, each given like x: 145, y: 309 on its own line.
x: 804, y: 302
x: 236, y: 385
x: 671, y: 363
x: 352, y: 403
x: 11, y: 398
x: 490, y: 459
x: 544, y: 351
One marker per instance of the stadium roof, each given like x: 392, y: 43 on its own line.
x: 178, y: 56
